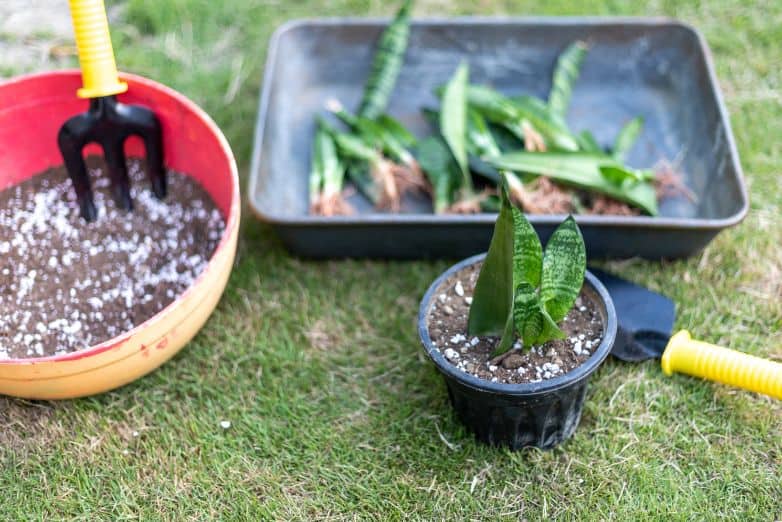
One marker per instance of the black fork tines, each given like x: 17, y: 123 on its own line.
x: 109, y: 123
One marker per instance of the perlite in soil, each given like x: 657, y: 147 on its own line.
x: 66, y: 284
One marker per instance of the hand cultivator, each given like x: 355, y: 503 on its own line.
x: 107, y: 121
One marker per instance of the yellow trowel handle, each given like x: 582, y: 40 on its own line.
x: 98, y: 69
x: 686, y: 355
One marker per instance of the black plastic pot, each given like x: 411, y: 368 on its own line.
x: 539, y: 414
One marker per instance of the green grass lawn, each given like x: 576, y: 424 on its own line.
x: 336, y: 413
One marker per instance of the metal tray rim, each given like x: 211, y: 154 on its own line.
x: 482, y: 219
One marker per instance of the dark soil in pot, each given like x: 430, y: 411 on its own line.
x: 66, y: 284
x: 448, y: 330
x: 538, y: 406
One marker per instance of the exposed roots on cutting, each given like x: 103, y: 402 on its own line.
x: 470, y: 204
x: 610, y: 206
x: 544, y: 197
x: 331, y: 205
x: 669, y: 183
x: 410, y: 178
x: 382, y: 174
x: 533, y: 141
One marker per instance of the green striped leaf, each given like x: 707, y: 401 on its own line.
x: 532, y: 322
x: 386, y: 64
x: 527, y: 251
x: 565, y: 75
x: 564, y: 265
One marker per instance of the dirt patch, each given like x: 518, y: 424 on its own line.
x: 28, y: 424
x: 447, y: 321
x: 66, y: 284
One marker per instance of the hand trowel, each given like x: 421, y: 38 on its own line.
x: 646, y: 322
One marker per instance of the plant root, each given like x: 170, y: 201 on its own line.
x: 533, y: 141
x: 669, y: 183
x: 331, y: 205
x: 546, y: 197
x: 383, y: 175
x: 470, y: 204
x: 610, y: 206
x: 410, y: 178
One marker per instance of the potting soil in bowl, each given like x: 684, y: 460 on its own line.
x: 66, y: 284
x: 583, y: 328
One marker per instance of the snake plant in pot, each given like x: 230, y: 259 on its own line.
x: 517, y: 332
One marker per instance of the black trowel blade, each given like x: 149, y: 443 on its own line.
x: 645, y: 319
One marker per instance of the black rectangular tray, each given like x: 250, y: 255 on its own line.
x: 656, y: 68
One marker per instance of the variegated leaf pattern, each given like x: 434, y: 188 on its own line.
x: 565, y: 75
x: 532, y: 322
x: 564, y: 264
x: 527, y: 251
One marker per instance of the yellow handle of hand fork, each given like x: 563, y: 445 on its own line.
x: 715, y: 363
x: 96, y: 56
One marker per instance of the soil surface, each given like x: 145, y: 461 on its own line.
x: 583, y: 327
x: 66, y: 284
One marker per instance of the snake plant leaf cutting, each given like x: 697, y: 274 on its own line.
x: 327, y: 174
x: 521, y: 290
x: 565, y: 75
x: 319, y: 147
x: 453, y: 120
x: 517, y: 115
x: 386, y: 64
x: 397, y: 130
x: 355, y: 148
x: 441, y: 169
x: 627, y: 137
x: 588, y: 143
x: 374, y: 133
x: 588, y: 171
x: 507, y: 140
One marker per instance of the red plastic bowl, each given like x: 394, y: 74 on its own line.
x: 32, y: 109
